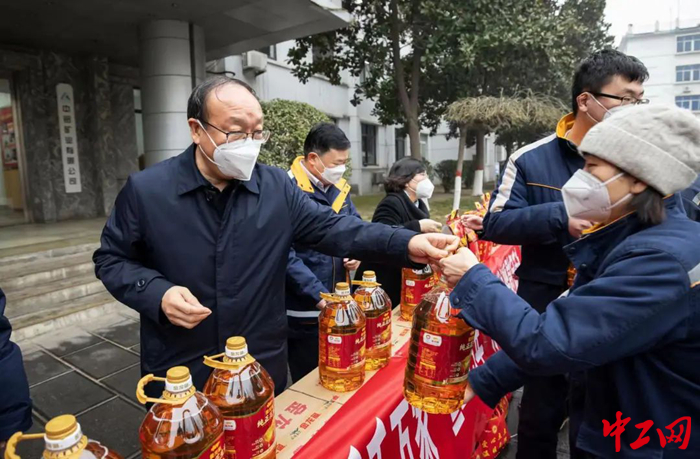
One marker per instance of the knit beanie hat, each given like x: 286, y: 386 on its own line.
x: 657, y: 144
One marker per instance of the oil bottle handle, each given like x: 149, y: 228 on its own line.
x: 11, y: 447
x: 366, y: 284
x: 212, y: 362
x: 141, y: 392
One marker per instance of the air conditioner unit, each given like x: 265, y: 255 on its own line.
x: 255, y: 61
x: 378, y: 178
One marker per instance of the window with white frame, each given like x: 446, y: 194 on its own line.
x: 270, y: 52
x: 369, y: 144
x: 688, y: 73
x: 689, y: 102
x: 688, y: 43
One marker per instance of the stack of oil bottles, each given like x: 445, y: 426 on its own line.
x: 354, y: 333
x: 233, y: 418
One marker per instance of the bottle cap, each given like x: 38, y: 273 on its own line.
x: 236, y: 348
x: 369, y: 276
x: 342, y: 288
x: 61, y: 427
x: 177, y: 375
x: 236, y: 343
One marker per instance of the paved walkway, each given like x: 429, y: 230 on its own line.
x: 90, y: 371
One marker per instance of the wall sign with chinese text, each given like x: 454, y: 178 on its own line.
x: 69, y: 139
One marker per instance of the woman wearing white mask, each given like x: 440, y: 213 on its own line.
x: 631, y: 321
x: 408, y: 190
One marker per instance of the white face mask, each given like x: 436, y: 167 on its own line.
x: 586, y: 197
x: 332, y: 174
x: 235, y: 159
x: 424, y: 189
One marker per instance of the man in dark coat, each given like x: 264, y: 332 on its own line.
x: 198, y: 244
x: 15, y: 404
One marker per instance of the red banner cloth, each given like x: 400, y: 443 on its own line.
x: 378, y: 423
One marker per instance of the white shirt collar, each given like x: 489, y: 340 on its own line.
x: 409, y: 197
x: 319, y: 184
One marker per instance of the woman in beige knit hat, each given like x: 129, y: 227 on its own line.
x: 631, y: 321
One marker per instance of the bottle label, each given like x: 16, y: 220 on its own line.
x: 215, y: 450
x: 253, y: 435
x: 378, y: 331
x: 444, y: 359
x: 345, y: 351
x: 414, y: 289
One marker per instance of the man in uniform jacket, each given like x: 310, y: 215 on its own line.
x: 319, y: 174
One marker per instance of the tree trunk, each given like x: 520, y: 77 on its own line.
x: 460, y: 162
x: 414, y: 138
x: 478, y: 188
x: 509, y: 150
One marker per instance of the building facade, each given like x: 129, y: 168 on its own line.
x: 76, y: 76
x: 673, y: 59
x: 374, y: 147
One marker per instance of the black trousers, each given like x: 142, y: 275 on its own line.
x: 302, y: 345
x: 544, y: 401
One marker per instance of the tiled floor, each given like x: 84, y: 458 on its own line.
x: 90, y: 371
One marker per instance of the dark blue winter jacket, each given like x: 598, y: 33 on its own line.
x: 691, y: 200
x: 527, y: 208
x: 310, y: 272
x: 15, y: 404
x: 631, y: 322
x: 166, y: 230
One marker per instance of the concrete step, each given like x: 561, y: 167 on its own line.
x: 42, y: 255
x: 27, y: 274
x: 61, y: 315
x: 25, y: 300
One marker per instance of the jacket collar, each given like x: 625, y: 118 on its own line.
x: 591, y: 249
x: 299, y: 172
x: 563, y: 127
x: 189, y: 178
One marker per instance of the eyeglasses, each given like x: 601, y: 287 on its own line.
x: 235, y: 136
x: 624, y: 100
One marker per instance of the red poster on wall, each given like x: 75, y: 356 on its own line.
x: 8, y: 143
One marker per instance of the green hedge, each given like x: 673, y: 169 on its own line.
x: 446, y: 171
x: 289, y: 122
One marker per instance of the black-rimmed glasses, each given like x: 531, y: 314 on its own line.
x: 625, y: 100
x: 239, y: 135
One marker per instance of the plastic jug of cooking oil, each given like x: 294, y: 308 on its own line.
x: 245, y: 395
x: 376, y: 305
x: 414, y: 284
x: 439, y: 355
x: 341, y: 341
x: 183, y: 423
x: 63, y: 439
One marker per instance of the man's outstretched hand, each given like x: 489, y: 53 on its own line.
x: 430, y: 248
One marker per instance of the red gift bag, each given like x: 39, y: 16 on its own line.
x: 495, y: 436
